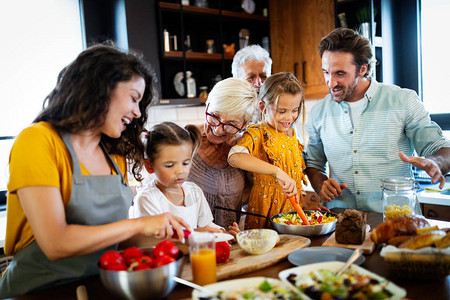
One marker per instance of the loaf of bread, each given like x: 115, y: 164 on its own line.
x: 351, y: 227
x: 405, y: 225
x: 423, y: 240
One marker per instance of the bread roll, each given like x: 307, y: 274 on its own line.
x: 396, y: 241
x: 423, y: 240
x: 405, y: 225
x: 444, y: 242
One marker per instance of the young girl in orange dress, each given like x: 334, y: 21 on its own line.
x: 271, y: 150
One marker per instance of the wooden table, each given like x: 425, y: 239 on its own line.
x: 416, y: 289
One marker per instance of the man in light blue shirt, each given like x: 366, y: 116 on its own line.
x: 366, y: 130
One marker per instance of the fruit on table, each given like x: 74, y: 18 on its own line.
x: 133, y: 259
x: 132, y: 254
x: 163, y: 260
x: 186, y: 233
x: 111, y: 258
x: 222, y: 252
x: 166, y: 248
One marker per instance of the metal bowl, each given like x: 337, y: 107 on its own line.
x: 305, y: 230
x: 144, y: 284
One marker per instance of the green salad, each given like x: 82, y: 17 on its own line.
x: 324, y: 284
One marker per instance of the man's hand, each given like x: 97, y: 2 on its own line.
x: 428, y: 165
x: 331, y: 189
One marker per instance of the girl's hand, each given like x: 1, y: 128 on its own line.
x: 288, y: 184
x: 233, y: 230
x: 162, y: 226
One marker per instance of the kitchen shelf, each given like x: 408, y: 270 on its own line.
x: 221, y: 22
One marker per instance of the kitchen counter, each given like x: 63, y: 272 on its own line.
x: 416, y: 289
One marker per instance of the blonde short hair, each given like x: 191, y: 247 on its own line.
x: 235, y: 97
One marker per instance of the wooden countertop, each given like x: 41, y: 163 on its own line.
x: 416, y: 289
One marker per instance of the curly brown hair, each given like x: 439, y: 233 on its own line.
x: 81, y: 97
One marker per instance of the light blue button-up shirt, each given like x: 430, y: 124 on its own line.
x: 393, y: 120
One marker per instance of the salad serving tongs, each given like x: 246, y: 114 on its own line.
x: 355, y: 255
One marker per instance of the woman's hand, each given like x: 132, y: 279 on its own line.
x: 288, y: 184
x: 163, y: 226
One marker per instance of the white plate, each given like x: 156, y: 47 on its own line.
x: 312, y: 255
x: 235, y: 285
x: 335, y: 266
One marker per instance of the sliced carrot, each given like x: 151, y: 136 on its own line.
x: 299, y: 210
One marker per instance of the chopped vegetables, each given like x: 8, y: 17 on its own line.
x: 314, y: 218
x: 324, y: 284
x: 263, y: 291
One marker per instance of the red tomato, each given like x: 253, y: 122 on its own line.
x: 186, y: 233
x: 163, y: 260
x: 166, y: 248
x: 110, y: 258
x: 117, y: 267
x: 222, y: 252
x: 147, y: 260
x: 140, y: 266
x: 132, y: 254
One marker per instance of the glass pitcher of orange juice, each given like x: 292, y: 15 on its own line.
x: 203, y: 257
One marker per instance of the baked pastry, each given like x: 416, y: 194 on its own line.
x: 397, y: 240
x: 444, y: 242
x: 351, y: 227
x: 405, y: 225
x: 423, y: 240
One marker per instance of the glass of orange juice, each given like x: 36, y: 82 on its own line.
x: 203, y: 257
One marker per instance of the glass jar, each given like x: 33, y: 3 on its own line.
x: 399, y: 197
x: 203, y: 94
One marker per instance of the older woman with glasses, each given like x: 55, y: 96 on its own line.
x: 230, y: 107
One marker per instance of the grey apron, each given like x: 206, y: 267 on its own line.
x: 95, y: 200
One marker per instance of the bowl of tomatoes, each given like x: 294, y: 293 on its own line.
x: 321, y: 222
x: 136, y: 273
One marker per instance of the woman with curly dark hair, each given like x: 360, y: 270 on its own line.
x: 68, y: 195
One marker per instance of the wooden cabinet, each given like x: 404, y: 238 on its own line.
x: 185, y: 31
x: 296, y: 28
x: 438, y: 212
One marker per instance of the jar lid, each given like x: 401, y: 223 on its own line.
x: 398, y: 183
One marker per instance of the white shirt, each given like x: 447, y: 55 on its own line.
x: 151, y: 201
x: 356, y: 109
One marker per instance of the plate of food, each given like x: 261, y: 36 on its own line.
x: 321, y: 222
x: 311, y: 255
x: 319, y: 280
x: 247, y: 288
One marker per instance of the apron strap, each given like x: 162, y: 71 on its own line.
x: 77, y: 176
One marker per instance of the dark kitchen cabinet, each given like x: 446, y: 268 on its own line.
x: 191, y: 38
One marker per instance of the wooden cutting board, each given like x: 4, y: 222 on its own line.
x: 240, y: 262
x: 367, y: 246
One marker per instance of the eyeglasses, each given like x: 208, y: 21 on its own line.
x: 215, y: 121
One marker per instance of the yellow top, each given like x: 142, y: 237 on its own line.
x: 38, y: 157
x: 267, y: 197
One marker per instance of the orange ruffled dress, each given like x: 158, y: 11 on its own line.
x: 267, y: 197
